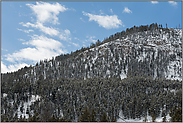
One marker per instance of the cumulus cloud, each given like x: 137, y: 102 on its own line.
x: 107, y: 21
x: 44, y: 42
x: 47, y: 30
x: 46, y: 12
x: 42, y: 48
x: 11, y: 68
x: 39, y: 47
x: 154, y: 2
x: 127, y: 10
x: 173, y: 3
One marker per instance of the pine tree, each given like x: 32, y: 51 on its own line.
x: 113, y: 119
x: 177, y: 116
x: 145, y: 120
x: 104, y: 118
x: 153, y: 117
x: 85, y: 117
x: 93, y: 116
x: 164, y: 119
x: 34, y: 118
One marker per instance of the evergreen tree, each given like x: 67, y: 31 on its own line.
x: 93, y: 116
x: 177, y: 116
x: 85, y: 117
x: 145, y: 120
x: 164, y: 119
x: 104, y: 118
x: 153, y: 117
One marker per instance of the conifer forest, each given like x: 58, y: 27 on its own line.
x: 132, y: 74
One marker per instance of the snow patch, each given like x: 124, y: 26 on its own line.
x: 5, y: 95
x: 149, y: 118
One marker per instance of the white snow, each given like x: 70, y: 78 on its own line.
x: 149, y: 118
x: 172, y: 72
x: 107, y: 72
x: 123, y: 75
x: 25, y: 105
x: 5, y: 95
x: 34, y: 98
x: 85, y: 66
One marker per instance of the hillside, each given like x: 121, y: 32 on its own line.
x: 156, y: 53
x: 143, y: 61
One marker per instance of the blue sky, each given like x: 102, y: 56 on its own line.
x: 32, y: 31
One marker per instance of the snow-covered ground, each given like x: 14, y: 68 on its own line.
x: 5, y: 95
x: 149, y: 119
x: 27, y: 105
x: 159, y: 42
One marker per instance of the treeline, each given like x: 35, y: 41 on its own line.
x: 135, y: 97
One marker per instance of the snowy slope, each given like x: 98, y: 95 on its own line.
x: 154, y: 53
x: 149, y: 118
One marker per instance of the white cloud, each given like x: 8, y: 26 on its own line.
x: 42, y: 48
x: 27, y: 24
x: 154, y: 2
x: 44, y: 42
x: 111, y: 10
x: 127, y: 10
x: 39, y: 47
x: 65, y: 35
x: 173, y: 3
x: 11, y: 68
x: 47, y: 30
x: 47, y: 12
x: 107, y: 21
x: 26, y: 31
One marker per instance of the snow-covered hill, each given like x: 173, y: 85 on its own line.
x: 155, y: 53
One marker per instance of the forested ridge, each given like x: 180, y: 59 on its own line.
x: 134, y: 96
x: 132, y: 74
